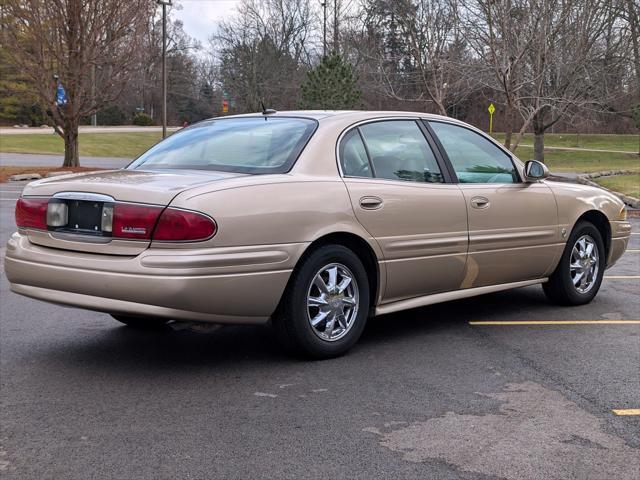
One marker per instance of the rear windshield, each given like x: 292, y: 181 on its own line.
x: 243, y: 145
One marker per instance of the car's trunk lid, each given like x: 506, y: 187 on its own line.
x: 88, y: 197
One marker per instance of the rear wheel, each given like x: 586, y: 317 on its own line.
x: 578, y: 276
x: 325, y: 307
x: 146, y: 323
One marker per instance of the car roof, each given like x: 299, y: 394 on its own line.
x: 335, y: 114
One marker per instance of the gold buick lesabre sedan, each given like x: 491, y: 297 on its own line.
x: 313, y: 221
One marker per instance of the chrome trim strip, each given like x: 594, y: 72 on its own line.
x: 447, y: 296
x: 77, y: 237
x: 89, y: 197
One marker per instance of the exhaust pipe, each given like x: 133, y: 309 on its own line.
x: 197, y: 327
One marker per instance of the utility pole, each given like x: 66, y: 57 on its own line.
x: 336, y: 33
x: 94, y: 117
x: 324, y: 28
x: 164, y: 4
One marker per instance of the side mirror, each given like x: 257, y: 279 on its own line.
x: 534, y: 171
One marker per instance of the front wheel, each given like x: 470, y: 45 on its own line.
x: 325, y: 307
x: 577, y: 278
x: 146, y: 323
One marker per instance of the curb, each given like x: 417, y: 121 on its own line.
x: 585, y: 179
x: 21, y: 177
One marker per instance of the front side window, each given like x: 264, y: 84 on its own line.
x: 243, y: 145
x: 399, y: 151
x: 474, y: 158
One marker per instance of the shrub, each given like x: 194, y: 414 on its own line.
x: 112, y: 115
x: 142, y: 120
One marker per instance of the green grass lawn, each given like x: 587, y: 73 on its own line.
x: 624, y: 143
x: 627, y: 184
x: 583, y: 162
x: 126, y: 145
x: 130, y: 145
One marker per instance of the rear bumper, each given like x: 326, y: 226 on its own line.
x: 235, y: 285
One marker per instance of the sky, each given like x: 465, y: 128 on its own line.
x: 201, y: 16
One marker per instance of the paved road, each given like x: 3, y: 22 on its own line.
x: 423, y: 395
x: 37, y: 160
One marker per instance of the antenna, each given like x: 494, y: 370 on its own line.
x: 265, y: 110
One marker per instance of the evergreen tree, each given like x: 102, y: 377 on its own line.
x: 331, y: 85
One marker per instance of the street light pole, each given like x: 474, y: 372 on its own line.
x: 94, y: 117
x: 164, y: 4
x: 324, y: 28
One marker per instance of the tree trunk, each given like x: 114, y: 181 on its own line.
x: 71, y: 157
x: 538, y: 145
x: 538, y: 134
x: 509, y: 117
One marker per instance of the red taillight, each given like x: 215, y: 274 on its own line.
x: 134, y: 221
x: 32, y: 213
x: 182, y: 225
x: 130, y: 221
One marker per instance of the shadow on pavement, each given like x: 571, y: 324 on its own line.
x: 123, y: 348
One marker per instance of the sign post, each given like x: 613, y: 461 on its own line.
x: 491, y: 109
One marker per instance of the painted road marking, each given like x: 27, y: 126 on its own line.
x: 622, y: 277
x: 628, y: 411
x: 559, y: 322
x: 633, y: 250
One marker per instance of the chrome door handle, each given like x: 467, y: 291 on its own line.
x: 480, y: 202
x: 370, y: 203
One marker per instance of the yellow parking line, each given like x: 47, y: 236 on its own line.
x: 559, y: 322
x: 628, y: 411
x: 622, y: 277
x: 633, y: 250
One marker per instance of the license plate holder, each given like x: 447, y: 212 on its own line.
x: 84, y: 217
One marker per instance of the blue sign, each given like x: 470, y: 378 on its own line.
x: 61, y: 95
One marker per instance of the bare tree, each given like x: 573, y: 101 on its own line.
x: 72, y: 39
x: 501, y: 36
x: 566, y: 66
x: 630, y: 11
x: 418, y: 52
x: 263, y: 52
x: 546, y: 58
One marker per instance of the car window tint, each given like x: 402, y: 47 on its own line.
x: 245, y: 145
x: 353, y: 156
x: 474, y: 158
x: 399, y: 151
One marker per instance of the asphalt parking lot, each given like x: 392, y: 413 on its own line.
x: 428, y: 393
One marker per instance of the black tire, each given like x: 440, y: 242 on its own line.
x: 291, y: 320
x: 560, y: 288
x: 142, y: 323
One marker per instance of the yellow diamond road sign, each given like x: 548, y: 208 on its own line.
x: 492, y: 108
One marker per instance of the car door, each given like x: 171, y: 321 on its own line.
x: 401, y: 195
x: 513, y: 225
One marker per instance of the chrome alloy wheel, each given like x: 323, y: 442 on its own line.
x: 332, y: 302
x: 584, y: 264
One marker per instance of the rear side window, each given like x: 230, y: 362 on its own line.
x: 474, y: 158
x: 398, y: 150
x: 243, y: 145
x: 353, y: 156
